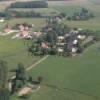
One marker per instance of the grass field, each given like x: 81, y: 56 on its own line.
x: 38, y: 22
x: 69, y: 78
x: 92, y: 24
x: 14, y: 51
x: 42, y: 11
x: 75, y: 78
x: 95, y: 1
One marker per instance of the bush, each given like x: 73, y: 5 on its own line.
x: 40, y: 78
x: 53, y: 51
x: 69, y: 18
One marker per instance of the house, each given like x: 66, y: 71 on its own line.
x: 66, y: 35
x: 60, y: 44
x: 77, y: 17
x: 60, y: 51
x: 81, y: 37
x: 37, y: 34
x: 80, y: 29
x: 42, y: 45
x: 8, y: 31
x: 74, y: 49
x: 2, y: 20
x: 61, y: 38
x: 24, y: 33
x: 21, y: 27
x: 75, y: 42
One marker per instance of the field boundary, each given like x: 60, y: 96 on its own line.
x: 38, y: 62
x: 34, y: 65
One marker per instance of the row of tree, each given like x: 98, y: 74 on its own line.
x: 28, y: 14
x: 30, y: 4
x: 20, y: 14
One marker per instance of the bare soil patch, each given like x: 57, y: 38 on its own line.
x: 24, y: 91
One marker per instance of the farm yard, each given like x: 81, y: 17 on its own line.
x: 64, y: 78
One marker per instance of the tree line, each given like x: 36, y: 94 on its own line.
x: 19, y: 14
x: 30, y: 4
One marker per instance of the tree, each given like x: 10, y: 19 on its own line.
x: 3, y: 74
x: 20, y: 78
x: 84, y: 10
x: 51, y: 37
x: 4, y: 92
x: 20, y: 73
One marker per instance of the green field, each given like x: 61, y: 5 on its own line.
x: 95, y: 1
x: 92, y: 24
x: 42, y: 11
x: 38, y: 22
x: 74, y: 78
x: 14, y: 51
